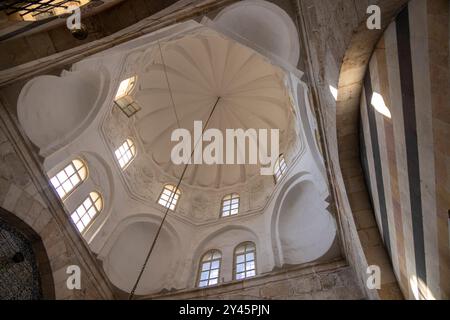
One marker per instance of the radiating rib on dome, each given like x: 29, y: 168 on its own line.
x: 200, y: 68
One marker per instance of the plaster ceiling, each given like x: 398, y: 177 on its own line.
x: 201, y: 67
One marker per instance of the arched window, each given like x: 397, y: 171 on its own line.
x: 125, y: 87
x: 87, y: 211
x: 280, y: 168
x: 125, y: 153
x: 169, y: 197
x: 230, y: 205
x: 209, y: 269
x: 245, y: 261
x: 69, y: 178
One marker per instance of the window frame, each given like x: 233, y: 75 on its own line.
x: 74, y: 187
x: 232, y: 197
x: 133, y: 155
x: 92, y: 219
x: 127, y: 105
x: 235, y: 254
x: 177, y: 200
x: 200, y: 269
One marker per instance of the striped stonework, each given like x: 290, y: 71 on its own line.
x: 406, y: 156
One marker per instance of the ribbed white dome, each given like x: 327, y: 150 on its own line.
x: 202, y: 67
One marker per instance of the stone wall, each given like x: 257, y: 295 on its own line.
x: 406, y: 148
x: 331, y: 281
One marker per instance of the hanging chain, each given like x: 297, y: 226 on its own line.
x: 167, y: 209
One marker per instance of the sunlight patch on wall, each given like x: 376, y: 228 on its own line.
x: 334, y: 92
x: 379, y: 105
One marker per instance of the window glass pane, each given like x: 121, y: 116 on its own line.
x: 54, y: 181
x: 204, y: 276
x: 85, y: 219
x: 80, y: 226
x: 207, y: 256
x: 215, y: 265
x: 240, y: 267
x: 74, y: 217
x: 214, y: 273
x: 240, y: 276
x: 78, y: 164
x: 98, y: 205
x: 61, y: 192
x: 70, y: 170
x: 74, y: 180
x: 206, y: 266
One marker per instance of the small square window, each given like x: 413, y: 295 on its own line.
x: 230, y: 205
x: 169, y: 197
x: 127, y: 105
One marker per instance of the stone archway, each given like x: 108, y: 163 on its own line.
x: 353, y: 202
x: 34, y: 261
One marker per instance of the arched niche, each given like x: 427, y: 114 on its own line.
x: 304, y: 230
x: 263, y: 25
x: 54, y: 110
x: 31, y: 278
x: 127, y: 253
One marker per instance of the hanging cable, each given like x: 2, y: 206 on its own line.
x: 168, y: 85
x: 170, y: 201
